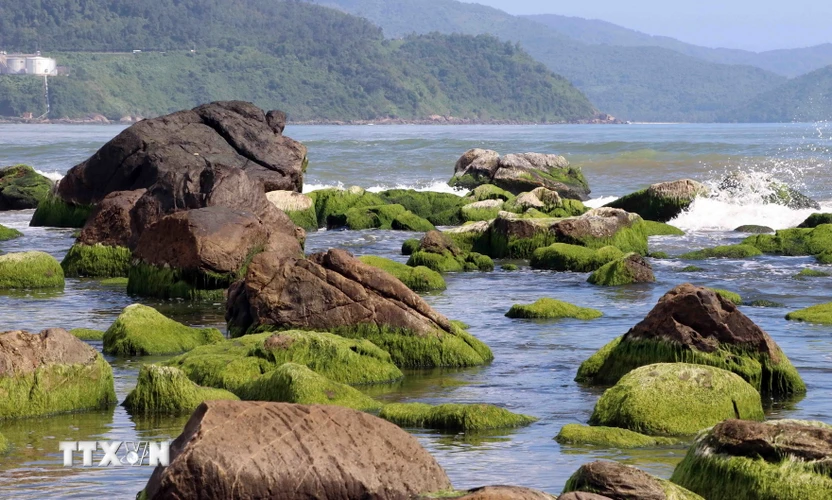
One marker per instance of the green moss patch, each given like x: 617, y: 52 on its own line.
x: 796, y: 242
x: 624, y: 270
x: 765, y: 303
x: 57, y: 389
x: 122, y: 282
x: 54, y: 212
x: 654, y: 228
x: 728, y: 295
x: 565, y: 257
x: 446, y: 262
x: 607, y: 437
x: 488, y: 192
x: 410, y: 246
x: 164, y: 390
x: 752, y: 229
x: 509, y: 267
x: 21, y: 187
x: 812, y: 273
x: 546, y: 308
x: 742, y: 251
x: 96, y: 261
x: 142, y: 331
x: 307, y: 219
x: 676, y: 399
x: 418, y: 279
x: 453, y: 417
x: 7, y: 233
x: 87, y: 334
x: 481, y: 211
x: 820, y: 314
x: 690, y: 269
x: 145, y: 280
x: 816, y: 220
x: 440, y: 209
x: 336, y: 202
x: 30, y: 270
x: 379, y: 217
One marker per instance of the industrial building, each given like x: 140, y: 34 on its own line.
x: 27, y: 64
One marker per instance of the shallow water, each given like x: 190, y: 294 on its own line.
x: 535, y: 361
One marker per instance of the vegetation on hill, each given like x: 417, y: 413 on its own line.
x: 313, y: 62
x: 635, y: 83
x: 786, y: 62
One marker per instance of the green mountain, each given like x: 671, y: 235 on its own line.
x: 807, y: 98
x: 786, y: 62
x: 313, y: 62
x: 635, y: 83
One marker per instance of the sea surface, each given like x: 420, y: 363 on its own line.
x: 535, y: 361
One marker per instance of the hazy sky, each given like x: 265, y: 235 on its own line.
x: 743, y: 24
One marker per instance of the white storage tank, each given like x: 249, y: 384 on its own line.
x: 40, y: 65
x: 16, y: 64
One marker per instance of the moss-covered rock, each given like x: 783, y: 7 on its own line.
x: 482, y: 210
x: 741, y: 251
x: 142, y: 331
x: 449, y: 263
x: 623, y: 482
x: 676, y: 399
x: 146, y: 280
x: 7, y: 233
x: 87, y: 334
x: 543, y: 203
x: 626, y: 270
x: 820, y: 314
x: 440, y: 209
x: 54, y: 212
x: 654, y: 228
x: 661, y: 202
x: 96, y: 261
x: 418, y: 279
x: 119, y: 282
x: 509, y: 267
x: 471, y: 237
x: 774, y: 460
x: 812, y: 273
x: 233, y: 364
x: 379, y: 217
x: 607, y: 437
x: 488, y: 192
x: 335, y: 202
x: 299, y: 207
x: 765, y: 303
x: 728, y: 295
x: 410, y: 245
x: 453, y: 417
x: 690, y: 269
x: 22, y: 188
x: 566, y: 257
x: 4, y: 444
x: 796, y: 242
x: 546, y: 308
x: 753, y: 229
x: 165, y: 390
x: 30, y: 270
x: 659, y: 255
x: 816, y: 220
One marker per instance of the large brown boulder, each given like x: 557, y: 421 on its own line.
x: 111, y: 222
x: 239, y: 449
x: 663, y: 201
x: 181, y: 145
x: 623, y: 482
x: 501, y: 493
x: 697, y: 325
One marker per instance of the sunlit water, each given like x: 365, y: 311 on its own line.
x: 535, y: 361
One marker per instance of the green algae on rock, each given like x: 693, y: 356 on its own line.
x: 728, y: 295
x: 608, y: 437
x: 87, y: 334
x: 165, y: 390
x: 54, y: 212
x: 690, y: 269
x: 812, y: 273
x: 488, y: 192
x: 774, y: 460
x: 815, y: 241
x: 437, y: 251
x: 379, y: 217
x: 566, y: 257
x: 51, y: 372
x: 21, y: 187
x: 232, y: 364
x: 410, y: 245
x: 96, y: 261
x: 547, y: 308
x: 753, y: 229
x: 741, y: 251
x: 300, y: 208
x: 661, y: 202
x: 654, y: 228
x: 440, y: 209
x: 676, y: 399
x: 418, y: 279
x: 485, y: 210
x: 146, y: 280
x: 7, y: 233
x: 142, y: 331
x: 816, y: 220
x: 619, y: 481
x: 453, y: 417
x: 30, y: 270
x: 691, y: 325
x: 335, y: 202
x: 820, y: 314
x: 626, y: 270
x: 509, y: 267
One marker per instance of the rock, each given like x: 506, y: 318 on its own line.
x: 676, y: 399
x: 499, y: 493
x: 623, y: 482
x: 22, y: 188
x: 30, y: 270
x: 394, y: 217
x: 663, y: 201
x: 728, y: 295
x: 7, y: 233
x: 410, y: 245
x: 314, y: 452
x: 96, y: 261
x: 565, y: 257
x: 769, y: 189
x: 542, y: 202
x: 418, y: 279
x: 299, y: 207
x: 238, y: 365
x: 87, y: 334
x: 607, y: 437
x: 164, y: 390
x: 437, y: 251
x: 723, y: 252
x: 334, y: 202
x: 141, y: 331
x: 110, y: 223
x: 54, y: 212
x: 552, y: 309
x: 794, y: 242
x: 488, y: 192
x: 472, y: 237
x: 336, y: 292
x: 654, y: 228
x: 180, y: 146
x: 814, y: 220
x: 690, y: 269
x: 752, y: 229
x: 811, y: 273
x: 778, y: 459
x: 482, y: 210
x: 626, y: 270
x: 453, y: 417
x: 695, y: 325
x: 440, y: 209
x: 820, y: 314
x: 475, y: 167
x: 582, y: 495
x: 51, y: 372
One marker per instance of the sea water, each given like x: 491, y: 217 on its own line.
x: 535, y: 361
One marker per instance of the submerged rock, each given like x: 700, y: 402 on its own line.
x: 142, y: 331
x: 164, y: 390
x: 663, y: 201
x: 778, y: 459
x: 626, y: 270
x: 608, y: 437
x: 439, y: 252
x: 51, y: 372
x: 30, y: 270
x: 742, y: 251
x: 314, y: 452
x: 546, y: 308
x: 695, y: 325
x: 87, y: 334
x: 453, y: 417
x: 820, y: 314
x: 418, y: 279
x: 22, y: 188
x: 676, y: 399
x: 622, y: 482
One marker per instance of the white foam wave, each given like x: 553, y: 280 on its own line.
x: 432, y: 186
x: 54, y: 176
x: 600, y: 202
x: 713, y: 214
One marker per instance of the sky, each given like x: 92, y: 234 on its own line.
x: 741, y: 24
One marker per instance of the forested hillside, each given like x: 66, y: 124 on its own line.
x: 314, y: 62
x: 635, y: 83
